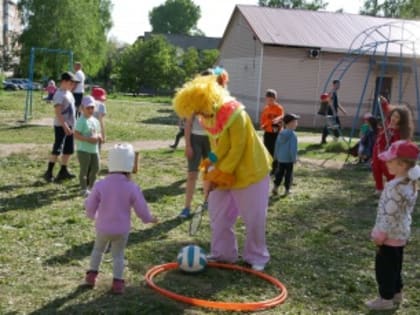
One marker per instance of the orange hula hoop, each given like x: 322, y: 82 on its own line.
x: 231, y: 306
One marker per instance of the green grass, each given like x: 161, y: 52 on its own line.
x: 318, y: 237
x: 128, y: 120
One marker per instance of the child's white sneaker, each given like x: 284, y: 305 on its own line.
x: 258, y: 267
x: 380, y: 304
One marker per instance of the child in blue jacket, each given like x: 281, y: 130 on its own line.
x: 285, y: 153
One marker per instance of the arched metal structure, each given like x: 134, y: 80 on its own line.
x: 399, y: 40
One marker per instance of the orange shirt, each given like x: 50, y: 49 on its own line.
x: 270, y: 112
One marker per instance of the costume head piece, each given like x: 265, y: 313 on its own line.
x: 222, y: 76
x: 201, y: 95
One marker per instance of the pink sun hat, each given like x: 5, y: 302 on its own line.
x: 400, y: 149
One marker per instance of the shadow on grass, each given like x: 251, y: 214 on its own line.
x: 163, y: 120
x: 167, y: 111
x: 80, y: 251
x: 135, y: 300
x: 37, y: 199
x: 23, y: 125
x: 156, y: 193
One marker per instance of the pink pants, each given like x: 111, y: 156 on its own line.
x: 251, y: 204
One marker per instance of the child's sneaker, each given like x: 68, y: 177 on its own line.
x: 275, y: 190
x: 48, y: 177
x: 118, y: 286
x: 258, y: 267
x: 380, y: 304
x: 185, y: 213
x: 90, y: 278
x: 64, y: 174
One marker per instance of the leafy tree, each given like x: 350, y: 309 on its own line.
x: 175, y: 17
x: 294, y: 4
x: 208, y: 58
x: 190, y: 62
x: 408, y: 9
x: 388, y: 8
x: 156, y: 65
x: 411, y: 9
x: 77, y: 25
x: 371, y: 7
x: 149, y: 64
x: 106, y: 74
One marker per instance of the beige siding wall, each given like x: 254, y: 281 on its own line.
x: 299, y: 80
x: 241, y: 55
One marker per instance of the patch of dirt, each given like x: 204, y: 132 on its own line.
x: 19, y: 148
x: 43, y: 122
x: 7, y: 149
x: 142, y: 145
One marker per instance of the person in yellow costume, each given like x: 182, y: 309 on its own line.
x: 237, y: 168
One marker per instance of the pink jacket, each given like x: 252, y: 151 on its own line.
x: 110, y: 203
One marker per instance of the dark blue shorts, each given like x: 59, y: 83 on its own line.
x: 62, y: 144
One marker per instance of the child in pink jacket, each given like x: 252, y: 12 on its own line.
x: 109, y: 204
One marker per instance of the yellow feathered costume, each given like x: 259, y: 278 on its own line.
x: 238, y: 155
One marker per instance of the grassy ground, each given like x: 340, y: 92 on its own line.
x: 318, y: 237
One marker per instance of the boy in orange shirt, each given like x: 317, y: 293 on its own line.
x: 271, y: 122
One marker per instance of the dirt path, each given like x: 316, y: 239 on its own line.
x: 7, y: 149
x: 27, y: 148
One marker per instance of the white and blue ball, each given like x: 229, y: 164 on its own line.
x: 192, y: 258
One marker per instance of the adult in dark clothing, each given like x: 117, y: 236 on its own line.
x: 333, y: 111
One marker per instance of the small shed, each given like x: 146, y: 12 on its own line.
x: 295, y: 52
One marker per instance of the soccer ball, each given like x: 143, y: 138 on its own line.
x: 191, y: 259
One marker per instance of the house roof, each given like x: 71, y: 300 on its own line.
x: 330, y: 31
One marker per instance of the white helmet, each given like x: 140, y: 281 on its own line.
x: 121, y: 158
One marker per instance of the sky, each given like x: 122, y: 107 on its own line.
x: 131, y: 17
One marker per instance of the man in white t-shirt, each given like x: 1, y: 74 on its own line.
x: 80, y: 87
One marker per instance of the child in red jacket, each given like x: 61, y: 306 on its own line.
x: 400, y: 127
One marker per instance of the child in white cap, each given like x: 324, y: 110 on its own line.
x: 88, y: 137
x: 393, y: 222
x: 109, y: 204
